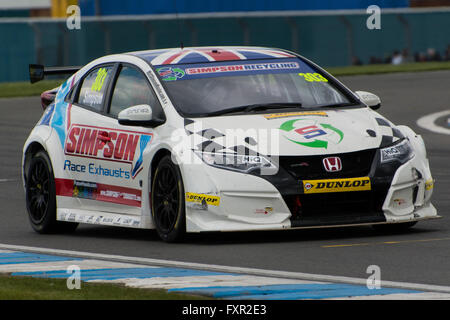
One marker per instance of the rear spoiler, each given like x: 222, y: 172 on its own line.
x: 38, y: 71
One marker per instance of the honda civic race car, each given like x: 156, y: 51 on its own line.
x: 218, y: 139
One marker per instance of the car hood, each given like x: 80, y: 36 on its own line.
x: 293, y: 133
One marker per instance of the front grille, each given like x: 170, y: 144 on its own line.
x: 354, y: 164
x: 336, y: 208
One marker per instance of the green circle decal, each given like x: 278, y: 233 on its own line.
x: 311, y: 133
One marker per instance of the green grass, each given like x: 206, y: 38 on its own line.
x: 27, y: 288
x: 388, y: 68
x: 24, y: 89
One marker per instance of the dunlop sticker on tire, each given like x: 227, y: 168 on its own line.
x: 199, y: 198
x: 336, y: 185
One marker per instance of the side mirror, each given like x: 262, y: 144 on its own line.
x: 370, y: 99
x: 140, y: 115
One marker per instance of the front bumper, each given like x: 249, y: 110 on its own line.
x: 250, y: 202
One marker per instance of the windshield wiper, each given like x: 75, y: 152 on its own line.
x: 257, y: 107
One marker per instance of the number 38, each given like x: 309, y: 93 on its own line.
x: 313, y: 77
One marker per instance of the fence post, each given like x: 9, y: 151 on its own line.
x: 37, y: 43
x: 63, y: 48
x: 151, y: 34
x: 193, y: 32
x: 407, y: 30
x: 349, y: 31
x: 245, y: 31
x: 106, y: 37
x: 294, y: 34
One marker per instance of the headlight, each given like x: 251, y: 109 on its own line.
x: 401, y: 151
x: 237, y: 162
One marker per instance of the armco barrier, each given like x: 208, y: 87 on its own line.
x: 328, y: 38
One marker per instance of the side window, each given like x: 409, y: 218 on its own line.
x: 94, y: 87
x: 132, y: 88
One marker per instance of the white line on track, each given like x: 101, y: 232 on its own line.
x: 427, y: 122
x: 228, y: 269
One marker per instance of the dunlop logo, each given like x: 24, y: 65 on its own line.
x: 429, y: 184
x: 336, y: 185
x: 199, y: 198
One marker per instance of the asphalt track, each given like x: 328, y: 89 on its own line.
x: 421, y: 255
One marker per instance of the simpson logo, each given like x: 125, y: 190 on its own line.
x: 244, y: 67
x: 336, y: 185
x: 107, y: 144
x: 199, y: 198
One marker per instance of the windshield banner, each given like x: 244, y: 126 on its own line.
x: 231, y: 68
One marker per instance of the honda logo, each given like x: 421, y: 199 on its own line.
x: 332, y: 164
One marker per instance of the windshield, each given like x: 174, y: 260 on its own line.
x: 219, y: 87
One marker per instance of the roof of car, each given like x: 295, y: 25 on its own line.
x: 208, y: 54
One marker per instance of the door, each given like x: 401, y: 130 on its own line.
x: 105, y: 158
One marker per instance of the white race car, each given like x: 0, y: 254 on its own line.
x: 218, y: 139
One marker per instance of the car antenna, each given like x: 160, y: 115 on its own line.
x: 179, y: 24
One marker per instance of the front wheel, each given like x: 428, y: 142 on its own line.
x: 167, y: 201
x: 41, y: 197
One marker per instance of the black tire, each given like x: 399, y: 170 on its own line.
x: 167, y: 201
x: 40, y: 196
x: 395, y: 227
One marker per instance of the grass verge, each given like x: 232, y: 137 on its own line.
x: 388, y: 68
x: 25, y: 89
x: 28, y: 288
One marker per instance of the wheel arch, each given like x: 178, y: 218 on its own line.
x: 147, y: 189
x: 32, y: 149
x: 161, y: 153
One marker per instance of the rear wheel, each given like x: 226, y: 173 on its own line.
x: 167, y: 201
x: 41, y: 197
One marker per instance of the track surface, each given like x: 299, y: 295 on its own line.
x: 421, y: 255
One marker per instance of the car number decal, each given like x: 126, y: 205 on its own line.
x: 313, y: 77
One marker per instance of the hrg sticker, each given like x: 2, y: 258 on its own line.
x: 170, y: 74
